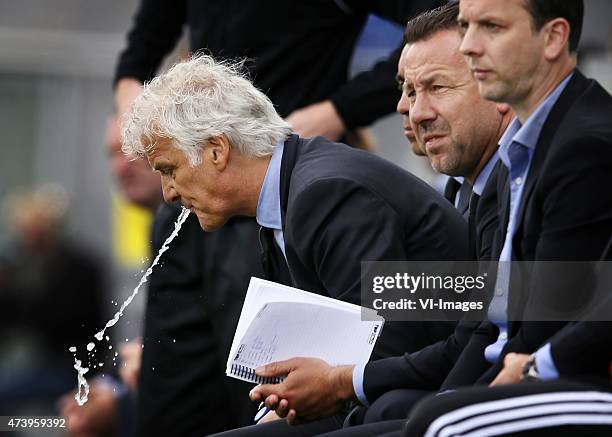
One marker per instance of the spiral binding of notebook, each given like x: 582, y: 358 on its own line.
x: 248, y: 374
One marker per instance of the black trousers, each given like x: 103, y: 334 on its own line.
x: 393, y: 405
x: 280, y: 428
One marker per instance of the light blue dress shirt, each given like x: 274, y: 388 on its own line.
x: 483, y: 176
x: 478, y: 187
x: 545, y: 363
x: 268, y: 212
x: 516, y: 149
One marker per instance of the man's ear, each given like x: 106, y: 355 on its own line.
x: 218, y: 152
x: 556, y: 35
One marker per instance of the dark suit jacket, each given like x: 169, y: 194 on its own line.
x: 342, y: 206
x: 429, y: 367
x: 583, y: 350
x: 565, y: 214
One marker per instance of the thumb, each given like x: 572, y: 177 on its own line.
x: 278, y: 368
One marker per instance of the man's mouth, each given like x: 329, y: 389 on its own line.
x: 480, y: 73
x: 409, y: 133
x: 432, y: 141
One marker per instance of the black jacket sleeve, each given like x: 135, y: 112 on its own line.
x: 423, y: 370
x: 157, y: 27
x: 583, y: 349
x: 374, y: 93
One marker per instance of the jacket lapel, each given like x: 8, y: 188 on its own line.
x: 574, y: 87
x: 290, y: 153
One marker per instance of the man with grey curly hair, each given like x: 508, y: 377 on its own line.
x: 201, y: 99
x: 324, y: 207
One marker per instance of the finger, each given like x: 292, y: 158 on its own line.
x: 292, y: 418
x: 283, y: 408
x: 261, y: 392
x: 272, y: 402
x: 255, y: 395
x: 278, y: 368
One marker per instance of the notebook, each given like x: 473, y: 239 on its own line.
x: 278, y: 322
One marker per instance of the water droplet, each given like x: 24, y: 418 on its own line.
x: 100, y: 364
x: 83, y: 390
x: 116, y: 353
x: 107, y: 338
x: 72, y: 349
x: 174, y: 340
x: 110, y: 346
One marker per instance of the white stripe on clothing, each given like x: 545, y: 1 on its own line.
x: 525, y: 413
x: 514, y: 402
x: 542, y: 422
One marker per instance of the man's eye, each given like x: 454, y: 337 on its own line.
x: 491, y: 26
x: 463, y: 27
x: 438, y: 87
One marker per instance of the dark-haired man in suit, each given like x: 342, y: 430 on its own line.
x: 557, y: 153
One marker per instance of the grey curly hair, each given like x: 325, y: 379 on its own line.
x: 199, y: 99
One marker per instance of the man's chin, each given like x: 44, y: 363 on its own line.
x: 491, y: 92
x: 209, y: 225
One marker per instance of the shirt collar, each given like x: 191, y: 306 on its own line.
x: 483, y: 176
x: 528, y: 134
x: 268, y: 206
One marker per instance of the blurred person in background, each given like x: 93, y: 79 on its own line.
x: 298, y: 53
x: 50, y: 295
x: 136, y: 180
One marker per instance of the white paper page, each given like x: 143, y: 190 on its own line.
x: 282, y: 330
x: 261, y: 292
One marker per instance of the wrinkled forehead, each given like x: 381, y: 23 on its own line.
x: 151, y: 144
x: 436, y: 57
x: 429, y: 73
x: 484, y: 10
x: 402, y: 60
x: 157, y: 147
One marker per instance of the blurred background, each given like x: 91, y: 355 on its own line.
x: 58, y: 202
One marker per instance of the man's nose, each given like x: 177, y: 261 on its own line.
x: 421, y: 110
x: 403, y: 106
x: 170, y: 194
x: 470, y: 43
